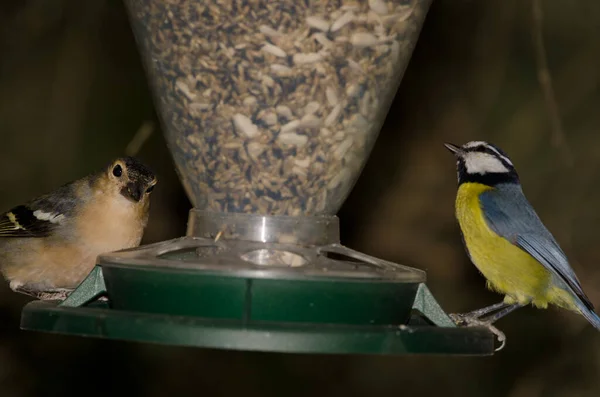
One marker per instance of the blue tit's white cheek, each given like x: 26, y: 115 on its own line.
x: 483, y: 163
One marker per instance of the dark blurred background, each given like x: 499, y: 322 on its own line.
x: 73, y: 94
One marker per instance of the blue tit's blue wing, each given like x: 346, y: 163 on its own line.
x: 510, y: 215
x: 552, y: 257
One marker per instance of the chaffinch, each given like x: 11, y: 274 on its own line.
x: 50, y: 244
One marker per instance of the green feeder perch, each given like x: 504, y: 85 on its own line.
x: 270, y: 109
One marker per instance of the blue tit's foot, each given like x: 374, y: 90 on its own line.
x: 467, y: 320
x: 461, y: 319
x: 485, y: 310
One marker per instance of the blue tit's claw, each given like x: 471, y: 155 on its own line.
x: 460, y: 319
x: 464, y: 320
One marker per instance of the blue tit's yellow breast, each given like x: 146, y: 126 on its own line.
x: 507, y: 268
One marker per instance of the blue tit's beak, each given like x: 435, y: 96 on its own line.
x: 456, y: 150
x: 132, y: 191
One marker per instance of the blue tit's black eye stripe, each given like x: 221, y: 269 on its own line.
x: 502, y: 152
x: 487, y: 148
x: 493, y: 151
x: 483, y: 149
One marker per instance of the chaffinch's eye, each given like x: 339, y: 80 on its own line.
x: 117, y: 171
x: 151, y: 188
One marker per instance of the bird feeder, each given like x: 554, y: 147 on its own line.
x: 270, y: 109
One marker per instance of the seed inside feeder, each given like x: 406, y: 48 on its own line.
x: 272, y: 107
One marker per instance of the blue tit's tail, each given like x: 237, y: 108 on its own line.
x: 590, y: 315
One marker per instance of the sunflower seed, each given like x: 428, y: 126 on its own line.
x: 342, y: 21
x: 244, y: 125
x: 318, y: 23
x: 274, y: 50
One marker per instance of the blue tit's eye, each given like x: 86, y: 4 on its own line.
x: 151, y: 188
x: 117, y: 171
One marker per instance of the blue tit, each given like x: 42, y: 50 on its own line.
x: 50, y: 244
x: 506, y: 240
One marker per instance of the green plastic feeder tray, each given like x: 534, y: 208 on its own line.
x: 196, y: 291
x: 270, y: 110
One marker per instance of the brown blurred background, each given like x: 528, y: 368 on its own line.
x: 73, y: 94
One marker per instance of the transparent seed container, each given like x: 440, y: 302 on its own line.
x: 272, y: 107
